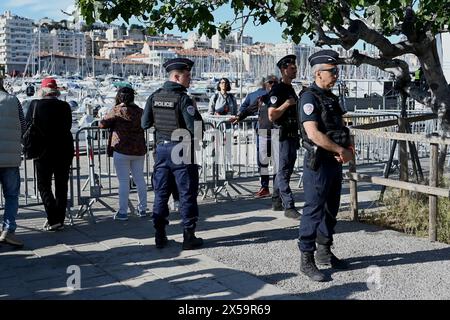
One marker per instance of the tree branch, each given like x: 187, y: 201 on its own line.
x: 398, y: 68
x: 409, y: 27
x: 358, y: 30
x: 344, y: 38
x: 348, y: 38
x: 422, y: 96
x: 322, y: 39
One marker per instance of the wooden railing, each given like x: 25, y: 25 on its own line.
x: 432, y: 189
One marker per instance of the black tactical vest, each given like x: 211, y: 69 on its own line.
x: 288, y: 123
x: 331, y: 116
x: 166, y: 112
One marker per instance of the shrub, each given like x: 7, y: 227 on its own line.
x: 410, y: 214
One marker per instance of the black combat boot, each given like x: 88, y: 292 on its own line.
x: 292, y: 213
x: 276, y: 204
x: 309, y: 268
x: 160, y: 238
x: 325, y: 257
x: 190, y: 240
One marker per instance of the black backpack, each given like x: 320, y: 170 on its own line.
x: 33, y: 139
x: 30, y: 91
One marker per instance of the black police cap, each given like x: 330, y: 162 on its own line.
x: 290, y: 58
x: 178, y: 64
x: 323, y: 56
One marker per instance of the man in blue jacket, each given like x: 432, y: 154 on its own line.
x: 256, y: 103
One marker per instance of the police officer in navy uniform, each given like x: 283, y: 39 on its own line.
x: 168, y: 109
x: 327, y: 144
x: 283, y: 114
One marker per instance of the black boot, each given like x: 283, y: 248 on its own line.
x: 292, y: 213
x: 160, y: 238
x: 276, y: 204
x: 190, y: 240
x: 325, y: 257
x: 309, y: 268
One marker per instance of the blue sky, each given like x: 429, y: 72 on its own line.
x: 35, y: 9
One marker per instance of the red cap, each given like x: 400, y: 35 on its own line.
x: 48, y: 83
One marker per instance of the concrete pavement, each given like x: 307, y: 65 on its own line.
x: 250, y: 253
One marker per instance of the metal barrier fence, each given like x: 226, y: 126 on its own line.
x: 371, y: 149
x: 28, y: 194
x: 228, y: 153
x: 94, y: 172
x: 239, y: 158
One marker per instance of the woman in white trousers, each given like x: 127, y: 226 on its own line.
x: 129, y: 149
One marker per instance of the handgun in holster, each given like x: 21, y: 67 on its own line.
x: 313, y: 155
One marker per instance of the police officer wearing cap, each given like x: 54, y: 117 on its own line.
x: 327, y: 144
x: 283, y: 114
x: 171, y: 111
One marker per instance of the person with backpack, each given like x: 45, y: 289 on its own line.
x: 54, y: 119
x: 223, y: 102
x: 256, y: 103
x: 328, y: 146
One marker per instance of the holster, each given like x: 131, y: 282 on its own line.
x: 313, y: 155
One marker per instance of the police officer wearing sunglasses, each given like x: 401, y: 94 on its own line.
x: 327, y: 144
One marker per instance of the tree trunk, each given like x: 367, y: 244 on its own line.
x: 431, y: 66
x: 441, y: 162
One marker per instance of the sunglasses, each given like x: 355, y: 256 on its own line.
x: 334, y: 71
x: 272, y: 81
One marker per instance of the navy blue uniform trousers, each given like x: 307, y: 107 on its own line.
x: 186, y: 179
x: 322, y: 190
x: 264, y: 151
x: 285, y: 161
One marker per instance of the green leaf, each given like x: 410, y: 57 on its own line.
x: 306, y: 25
x: 280, y: 9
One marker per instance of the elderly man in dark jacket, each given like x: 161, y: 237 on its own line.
x: 54, y: 118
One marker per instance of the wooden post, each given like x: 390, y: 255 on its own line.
x: 403, y: 155
x: 433, y: 200
x: 353, y: 186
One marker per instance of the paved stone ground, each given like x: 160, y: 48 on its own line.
x: 250, y: 252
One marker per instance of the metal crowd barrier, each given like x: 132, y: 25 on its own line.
x: 29, y: 195
x: 95, y: 180
x: 228, y: 153
x: 237, y: 159
x: 373, y: 149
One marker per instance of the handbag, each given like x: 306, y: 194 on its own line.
x: 109, y: 148
x: 33, y: 140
